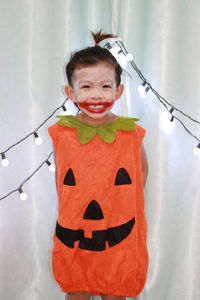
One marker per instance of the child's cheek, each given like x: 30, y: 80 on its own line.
x: 81, y: 96
x: 109, y: 96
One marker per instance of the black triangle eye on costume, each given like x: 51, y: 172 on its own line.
x: 122, y: 177
x: 69, y: 178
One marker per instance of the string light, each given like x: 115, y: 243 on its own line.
x: 5, y: 161
x: 129, y: 57
x: 196, y: 151
x: 141, y: 87
x: 158, y: 96
x: 172, y: 117
x: 164, y: 119
x: 38, y: 139
x: 115, y: 51
x: 143, y: 92
x: 52, y: 167
x: 64, y: 108
x: 120, y: 51
x: 22, y: 195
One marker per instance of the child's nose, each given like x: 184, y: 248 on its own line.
x: 96, y: 93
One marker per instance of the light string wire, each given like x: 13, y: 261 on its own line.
x: 32, y: 174
x: 163, y: 101
x: 125, y: 52
x: 24, y: 138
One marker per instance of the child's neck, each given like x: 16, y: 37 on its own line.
x: 108, y: 118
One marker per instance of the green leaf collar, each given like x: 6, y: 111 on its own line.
x: 107, y: 132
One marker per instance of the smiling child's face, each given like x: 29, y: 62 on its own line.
x: 94, y: 90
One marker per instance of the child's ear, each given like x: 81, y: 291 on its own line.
x: 119, y: 91
x: 69, y: 91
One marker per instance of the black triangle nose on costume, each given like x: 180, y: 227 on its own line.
x: 93, y: 211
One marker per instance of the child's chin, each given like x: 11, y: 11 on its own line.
x: 94, y: 115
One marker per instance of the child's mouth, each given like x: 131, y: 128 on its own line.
x: 95, y: 107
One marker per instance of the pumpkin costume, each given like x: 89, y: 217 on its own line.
x: 100, y: 236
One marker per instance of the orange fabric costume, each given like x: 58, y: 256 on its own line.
x: 100, y: 236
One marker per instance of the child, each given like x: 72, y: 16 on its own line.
x: 100, y: 237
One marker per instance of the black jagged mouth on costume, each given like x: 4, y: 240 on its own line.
x: 113, y: 235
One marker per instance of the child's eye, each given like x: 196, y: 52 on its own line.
x: 106, y: 86
x: 85, y: 86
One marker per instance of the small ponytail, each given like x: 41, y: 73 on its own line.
x: 99, y: 36
x: 93, y: 55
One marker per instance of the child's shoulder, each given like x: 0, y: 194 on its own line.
x: 54, y: 129
x: 140, y: 131
x: 64, y: 120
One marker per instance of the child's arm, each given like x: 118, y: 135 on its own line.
x: 56, y: 169
x: 145, y: 168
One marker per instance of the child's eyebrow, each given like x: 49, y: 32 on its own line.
x: 84, y: 81
x: 90, y: 82
x: 107, y: 81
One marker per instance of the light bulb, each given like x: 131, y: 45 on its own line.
x: 143, y: 93
x: 129, y: 57
x: 5, y: 161
x: 38, y: 139
x: 165, y: 119
x: 52, y: 167
x: 141, y: 87
x: 196, y: 150
x: 23, y: 196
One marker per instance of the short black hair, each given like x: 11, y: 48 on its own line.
x: 92, y: 56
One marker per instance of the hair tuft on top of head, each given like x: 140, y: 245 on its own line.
x: 94, y: 55
x: 99, y: 36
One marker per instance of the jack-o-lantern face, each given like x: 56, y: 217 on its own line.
x: 114, y: 235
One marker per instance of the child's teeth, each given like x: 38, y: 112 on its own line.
x: 96, y: 106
